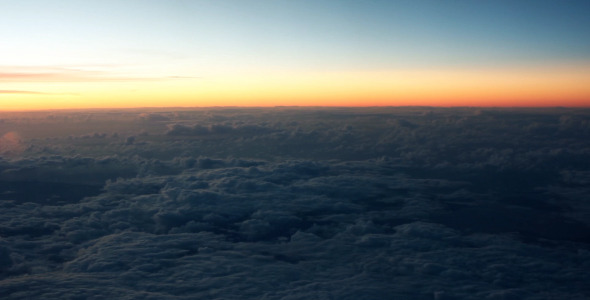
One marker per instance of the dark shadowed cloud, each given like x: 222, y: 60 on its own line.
x: 415, y: 203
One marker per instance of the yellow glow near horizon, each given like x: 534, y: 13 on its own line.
x: 566, y: 86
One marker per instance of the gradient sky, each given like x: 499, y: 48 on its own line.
x: 82, y: 54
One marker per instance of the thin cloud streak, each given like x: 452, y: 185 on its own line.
x: 184, y: 77
x: 44, y: 74
x: 18, y: 92
x: 22, y: 92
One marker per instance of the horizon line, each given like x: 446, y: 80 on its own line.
x: 293, y: 107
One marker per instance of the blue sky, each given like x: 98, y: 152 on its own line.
x: 317, y: 34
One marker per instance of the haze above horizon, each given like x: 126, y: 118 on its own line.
x: 114, y: 54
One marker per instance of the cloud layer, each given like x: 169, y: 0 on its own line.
x: 296, y: 203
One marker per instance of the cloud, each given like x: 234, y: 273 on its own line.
x: 11, y: 144
x: 43, y: 74
x: 153, y: 117
x: 296, y: 203
x: 21, y: 92
x: 183, y: 77
x: 217, y: 129
x: 70, y: 74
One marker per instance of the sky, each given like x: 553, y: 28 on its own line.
x: 93, y: 54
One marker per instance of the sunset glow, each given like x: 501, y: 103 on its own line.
x: 275, y: 53
x: 294, y: 149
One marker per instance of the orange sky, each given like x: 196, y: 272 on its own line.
x: 67, y: 88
